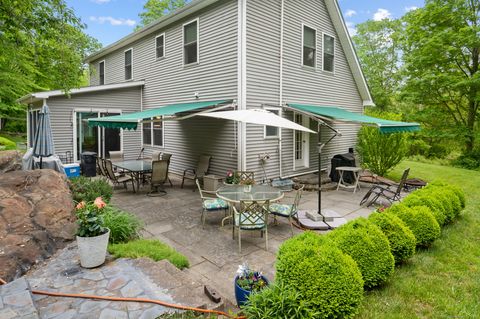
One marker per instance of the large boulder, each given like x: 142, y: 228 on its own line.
x: 10, y: 161
x: 36, y: 218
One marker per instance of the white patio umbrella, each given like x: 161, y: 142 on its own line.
x: 258, y: 116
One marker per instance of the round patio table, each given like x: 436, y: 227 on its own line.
x: 255, y: 193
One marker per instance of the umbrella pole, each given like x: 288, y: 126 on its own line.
x: 320, y: 146
x: 41, y: 162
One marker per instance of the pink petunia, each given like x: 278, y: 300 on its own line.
x: 99, y: 203
x: 80, y: 205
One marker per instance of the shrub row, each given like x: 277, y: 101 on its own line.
x: 87, y: 189
x: 325, y: 276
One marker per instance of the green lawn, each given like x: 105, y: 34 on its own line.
x: 443, y: 281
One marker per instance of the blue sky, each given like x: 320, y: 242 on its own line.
x: 110, y: 20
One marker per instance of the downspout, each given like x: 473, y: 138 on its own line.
x: 242, y: 83
x: 280, y: 83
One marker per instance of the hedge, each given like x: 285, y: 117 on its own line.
x: 369, y: 247
x: 418, y: 198
x: 329, y: 279
x: 402, y: 240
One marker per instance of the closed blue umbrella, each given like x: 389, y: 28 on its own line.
x: 43, y: 142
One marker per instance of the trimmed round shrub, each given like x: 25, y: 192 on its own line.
x: 401, y: 239
x: 7, y: 144
x: 277, y: 301
x: 450, y: 195
x: 321, y: 274
x: 369, y: 247
x: 421, y: 222
x: 436, y: 207
x: 86, y: 189
x: 123, y: 226
x: 443, y: 197
x: 457, y: 190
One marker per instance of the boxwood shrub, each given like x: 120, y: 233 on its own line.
x: 369, y: 247
x: 87, y: 189
x: 422, y: 199
x: 329, y: 279
x: 454, y: 188
x: 401, y: 239
x: 450, y: 195
x: 421, y: 222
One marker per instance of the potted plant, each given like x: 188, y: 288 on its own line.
x: 232, y: 178
x: 92, y: 235
x: 246, y: 282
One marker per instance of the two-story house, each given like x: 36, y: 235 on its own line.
x: 256, y: 53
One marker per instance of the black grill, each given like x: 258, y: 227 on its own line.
x: 347, y: 159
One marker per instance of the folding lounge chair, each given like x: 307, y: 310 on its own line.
x: 391, y: 193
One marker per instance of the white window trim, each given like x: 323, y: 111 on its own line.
x: 151, y: 136
x: 316, y: 47
x: 131, y: 78
x: 334, y: 52
x: 198, y: 42
x: 104, y: 72
x: 272, y: 137
x: 164, y: 46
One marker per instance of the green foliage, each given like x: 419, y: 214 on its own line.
x: 87, y: 189
x: 150, y: 248
x: 321, y: 274
x: 6, y: 144
x: 402, y: 240
x: 453, y: 188
x: 278, y: 302
x: 421, y: 222
x: 469, y: 160
x: 123, y: 226
x: 90, y: 219
x: 155, y: 9
x: 369, y: 247
x: 418, y: 198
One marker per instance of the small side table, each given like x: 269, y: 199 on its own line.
x: 356, y: 173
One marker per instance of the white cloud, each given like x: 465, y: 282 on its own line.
x: 381, y: 14
x: 113, y: 21
x: 350, y: 13
x: 351, y: 28
x: 100, y: 1
x: 410, y: 8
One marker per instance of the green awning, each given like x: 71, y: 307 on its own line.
x: 130, y: 121
x: 332, y: 113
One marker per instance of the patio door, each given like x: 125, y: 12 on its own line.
x: 110, y: 138
x: 301, y: 141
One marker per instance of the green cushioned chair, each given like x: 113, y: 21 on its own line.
x: 210, y: 204
x: 287, y: 210
x: 252, y: 216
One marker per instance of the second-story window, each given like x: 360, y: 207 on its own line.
x: 160, y: 46
x: 328, y: 53
x: 128, y: 64
x: 101, y: 73
x: 309, y: 46
x: 190, y: 42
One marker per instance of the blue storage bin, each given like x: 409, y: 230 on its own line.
x: 72, y: 170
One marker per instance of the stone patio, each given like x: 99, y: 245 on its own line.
x: 213, y: 254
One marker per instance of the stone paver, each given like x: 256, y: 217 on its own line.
x: 16, y: 300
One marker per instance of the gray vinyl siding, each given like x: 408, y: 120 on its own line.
x: 168, y: 81
x: 62, y: 108
x: 300, y: 85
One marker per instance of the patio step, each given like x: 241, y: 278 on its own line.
x: 16, y: 301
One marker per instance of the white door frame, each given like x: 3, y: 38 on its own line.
x: 305, y: 145
x: 74, y: 126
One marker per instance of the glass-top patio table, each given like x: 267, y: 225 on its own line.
x: 136, y: 167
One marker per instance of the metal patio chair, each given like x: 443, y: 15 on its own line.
x: 199, y: 172
x: 390, y: 193
x: 210, y: 203
x: 158, y: 178
x: 116, y: 156
x: 287, y: 210
x: 245, y: 177
x: 252, y: 216
x: 167, y: 157
x: 118, y: 179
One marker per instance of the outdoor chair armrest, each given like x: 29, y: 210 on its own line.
x: 192, y: 170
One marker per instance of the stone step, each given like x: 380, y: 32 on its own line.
x: 16, y: 301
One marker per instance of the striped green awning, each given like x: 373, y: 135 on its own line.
x: 130, y: 121
x: 332, y: 113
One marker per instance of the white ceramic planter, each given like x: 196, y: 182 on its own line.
x: 93, y: 250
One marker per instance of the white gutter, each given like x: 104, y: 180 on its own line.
x: 280, y: 83
x: 242, y: 83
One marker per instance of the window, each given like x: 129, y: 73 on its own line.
x: 101, y: 73
x: 190, y: 42
x: 271, y: 131
x: 128, y: 64
x: 160, y: 46
x: 309, y: 46
x: 152, y: 132
x: 328, y: 53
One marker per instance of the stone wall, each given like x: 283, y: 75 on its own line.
x: 36, y: 218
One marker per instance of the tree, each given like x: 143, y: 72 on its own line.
x: 378, y: 50
x: 441, y: 50
x: 43, y: 47
x: 155, y: 9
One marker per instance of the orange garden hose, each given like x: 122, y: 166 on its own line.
x: 143, y: 300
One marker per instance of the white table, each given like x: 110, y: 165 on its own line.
x: 356, y: 174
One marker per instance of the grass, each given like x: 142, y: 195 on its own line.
x: 444, y: 280
x: 153, y: 249
x: 13, y: 138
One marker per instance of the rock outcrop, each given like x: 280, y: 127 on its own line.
x: 10, y: 161
x: 36, y: 218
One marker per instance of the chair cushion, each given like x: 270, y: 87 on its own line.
x: 280, y: 209
x: 259, y: 224
x: 215, y: 204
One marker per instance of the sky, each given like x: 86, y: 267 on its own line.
x: 110, y: 20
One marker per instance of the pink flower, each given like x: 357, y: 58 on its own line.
x: 99, y: 203
x: 80, y: 205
